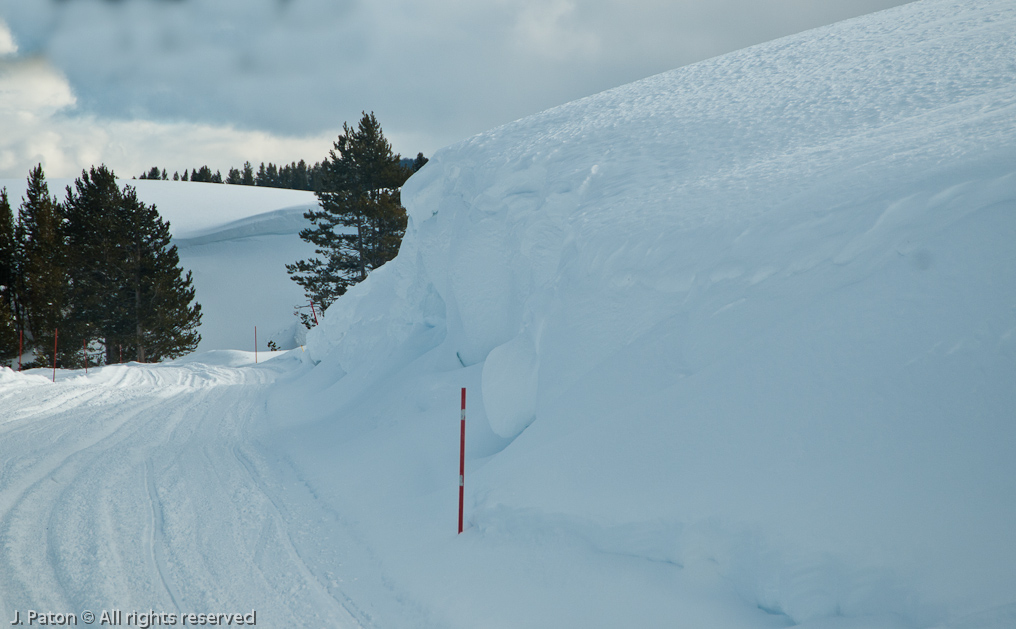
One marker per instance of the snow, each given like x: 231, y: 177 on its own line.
x: 739, y: 345
x: 768, y: 296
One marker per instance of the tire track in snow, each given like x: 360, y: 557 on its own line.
x: 156, y: 539
x: 79, y: 483
x: 28, y: 499
x: 362, y: 618
x: 333, y: 550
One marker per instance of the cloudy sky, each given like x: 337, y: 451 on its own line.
x: 182, y: 83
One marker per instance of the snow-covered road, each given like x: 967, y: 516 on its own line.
x: 145, y: 488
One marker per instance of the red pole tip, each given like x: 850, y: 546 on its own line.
x: 463, y: 398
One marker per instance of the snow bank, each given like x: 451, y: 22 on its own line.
x: 191, y: 208
x: 769, y: 296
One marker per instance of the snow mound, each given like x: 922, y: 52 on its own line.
x: 286, y: 221
x: 773, y: 290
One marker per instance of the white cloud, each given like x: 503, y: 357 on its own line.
x: 7, y: 45
x: 31, y: 89
x: 40, y: 124
x: 434, y: 71
x: 548, y: 29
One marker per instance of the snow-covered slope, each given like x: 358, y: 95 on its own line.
x: 739, y: 341
x: 237, y: 241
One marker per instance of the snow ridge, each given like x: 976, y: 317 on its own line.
x: 771, y: 290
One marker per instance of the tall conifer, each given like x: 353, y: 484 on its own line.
x: 247, y: 178
x: 44, y: 259
x: 159, y: 296
x: 361, y: 221
x: 128, y: 288
x: 10, y: 271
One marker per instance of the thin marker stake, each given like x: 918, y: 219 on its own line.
x: 255, y: 345
x: 84, y: 352
x: 21, y: 343
x: 462, y: 459
x: 313, y: 312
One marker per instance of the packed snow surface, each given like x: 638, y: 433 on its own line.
x: 739, y: 345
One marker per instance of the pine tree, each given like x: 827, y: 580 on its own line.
x: 301, y: 176
x: 8, y: 334
x: 43, y: 255
x: 204, y: 174
x: 94, y: 231
x: 361, y: 221
x: 248, y: 175
x: 164, y: 321
x: 9, y: 273
x: 128, y: 289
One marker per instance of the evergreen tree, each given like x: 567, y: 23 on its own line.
x: 9, y: 273
x: 43, y: 255
x: 361, y: 221
x: 176, y: 176
x: 184, y: 177
x: 301, y: 176
x: 204, y: 174
x: 419, y: 162
x: 234, y: 176
x: 128, y: 289
x: 248, y: 175
x: 94, y: 232
x: 160, y: 311
x: 8, y: 334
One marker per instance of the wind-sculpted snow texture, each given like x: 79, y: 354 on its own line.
x: 740, y: 343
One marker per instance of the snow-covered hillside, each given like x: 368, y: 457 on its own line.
x: 745, y: 328
x: 739, y: 344
x: 237, y: 241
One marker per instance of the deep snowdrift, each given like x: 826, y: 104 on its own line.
x: 740, y: 343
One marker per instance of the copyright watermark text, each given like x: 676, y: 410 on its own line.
x: 142, y: 620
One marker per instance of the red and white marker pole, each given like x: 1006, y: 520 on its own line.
x: 462, y: 459
x: 313, y: 312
